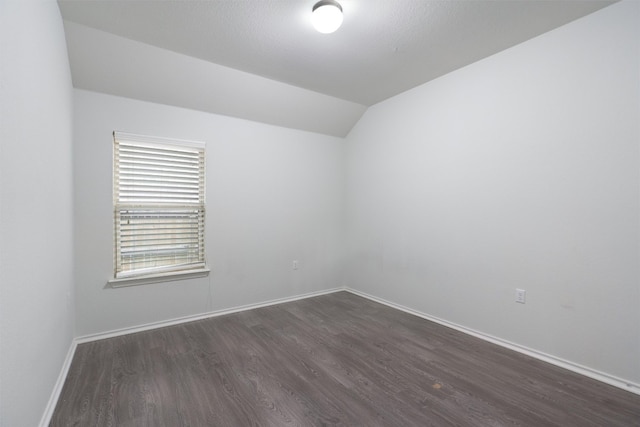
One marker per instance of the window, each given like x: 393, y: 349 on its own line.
x: 159, y: 208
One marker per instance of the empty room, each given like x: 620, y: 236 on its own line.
x: 312, y: 213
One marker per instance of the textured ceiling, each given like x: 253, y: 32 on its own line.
x: 383, y: 48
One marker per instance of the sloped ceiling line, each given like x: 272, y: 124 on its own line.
x: 263, y: 61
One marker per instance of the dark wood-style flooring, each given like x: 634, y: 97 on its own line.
x: 336, y: 359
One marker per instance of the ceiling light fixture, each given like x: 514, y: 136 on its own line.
x: 327, y: 16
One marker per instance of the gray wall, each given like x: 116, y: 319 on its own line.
x: 273, y: 195
x: 101, y: 62
x: 521, y: 170
x: 36, y: 255
x: 518, y: 171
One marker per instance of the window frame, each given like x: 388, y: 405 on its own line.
x: 132, y: 203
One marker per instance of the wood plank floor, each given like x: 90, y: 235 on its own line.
x: 336, y: 359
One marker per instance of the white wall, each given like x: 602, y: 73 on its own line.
x: 36, y: 255
x: 273, y: 195
x: 518, y: 171
x: 521, y: 170
x: 101, y: 62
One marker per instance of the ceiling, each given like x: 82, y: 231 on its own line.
x: 383, y: 48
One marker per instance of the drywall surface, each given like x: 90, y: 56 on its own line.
x: 36, y: 208
x: 518, y: 171
x: 273, y: 195
x: 106, y: 63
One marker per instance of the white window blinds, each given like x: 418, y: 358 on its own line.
x: 159, y: 205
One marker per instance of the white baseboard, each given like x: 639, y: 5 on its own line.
x: 55, y: 395
x: 185, y: 319
x: 57, y: 388
x: 557, y: 361
x: 574, y: 367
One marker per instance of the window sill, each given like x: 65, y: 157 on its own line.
x: 157, y: 278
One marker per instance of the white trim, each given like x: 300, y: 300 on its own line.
x: 186, y: 319
x: 574, y: 367
x: 155, y: 140
x: 55, y: 394
x: 157, y: 278
x: 57, y: 388
x: 557, y: 361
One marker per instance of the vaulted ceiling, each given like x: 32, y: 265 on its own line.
x: 262, y: 60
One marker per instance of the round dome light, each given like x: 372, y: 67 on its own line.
x: 327, y: 16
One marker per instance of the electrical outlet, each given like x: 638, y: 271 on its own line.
x: 295, y: 264
x: 521, y: 296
